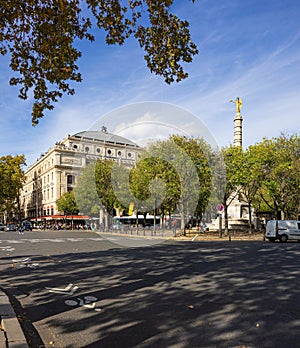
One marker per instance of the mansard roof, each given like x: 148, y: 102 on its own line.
x: 104, y: 136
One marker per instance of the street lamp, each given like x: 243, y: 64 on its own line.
x: 154, y: 226
x: 220, y: 209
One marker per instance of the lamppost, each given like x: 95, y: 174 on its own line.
x: 154, y: 226
x: 220, y: 209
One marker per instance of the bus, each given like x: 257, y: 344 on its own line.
x: 132, y: 220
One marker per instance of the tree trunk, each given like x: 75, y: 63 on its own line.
x: 106, y: 220
x: 226, y: 219
x: 250, y: 217
x: 182, y: 222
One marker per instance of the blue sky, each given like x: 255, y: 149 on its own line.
x: 247, y: 48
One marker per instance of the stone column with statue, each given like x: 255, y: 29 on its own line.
x: 238, y: 120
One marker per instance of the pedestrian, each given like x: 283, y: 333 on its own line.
x: 22, y: 229
x: 202, y: 226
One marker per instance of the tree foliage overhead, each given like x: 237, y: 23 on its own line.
x: 40, y: 35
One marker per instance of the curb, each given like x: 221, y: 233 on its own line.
x: 194, y: 238
x: 11, y: 334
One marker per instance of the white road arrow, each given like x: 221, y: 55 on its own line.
x: 26, y: 260
x: 68, y: 290
x: 8, y: 248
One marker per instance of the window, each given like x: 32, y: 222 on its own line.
x: 98, y: 150
x: 75, y: 146
x: 70, y: 179
x: 87, y: 149
x: 109, y: 152
x: 119, y: 153
x: 129, y: 154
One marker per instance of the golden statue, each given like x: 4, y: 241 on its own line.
x: 238, y: 104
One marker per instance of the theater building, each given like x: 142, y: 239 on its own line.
x: 56, y: 171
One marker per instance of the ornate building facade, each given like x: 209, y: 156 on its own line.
x: 56, y: 171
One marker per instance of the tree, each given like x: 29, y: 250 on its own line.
x: 111, y: 183
x: 67, y: 204
x: 104, y: 187
x: 86, y: 193
x: 154, y: 184
x: 40, y: 36
x: 11, y: 182
x: 174, y: 175
x: 280, y: 184
x: 226, y: 164
x: 199, y: 152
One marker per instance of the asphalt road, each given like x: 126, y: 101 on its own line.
x: 76, y: 289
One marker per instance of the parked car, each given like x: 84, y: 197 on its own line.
x: 2, y: 227
x: 283, y: 230
x: 26, y: 225
x: 11, y: 227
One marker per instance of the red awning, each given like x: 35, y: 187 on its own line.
x: 77, y: 217
x: 61, y: 217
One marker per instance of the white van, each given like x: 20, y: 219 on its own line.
x: 283, y: 230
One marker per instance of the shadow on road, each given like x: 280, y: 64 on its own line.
x: 205, y: 294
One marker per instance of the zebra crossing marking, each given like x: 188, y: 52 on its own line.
x: 44, y: 240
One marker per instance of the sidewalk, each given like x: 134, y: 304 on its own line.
x: 190, y: 235
x: 11, y: 334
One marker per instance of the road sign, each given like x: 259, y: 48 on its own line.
x: 220, y: 207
